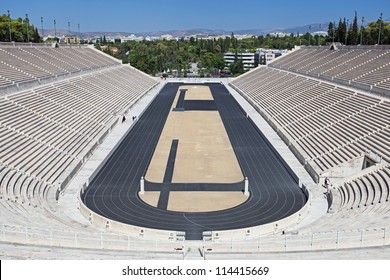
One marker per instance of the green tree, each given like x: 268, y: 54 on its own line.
x: 372, y: 32
x: 331, y: 31
x: 341, y: 30
x: 207, y: 60
x: 234, y: 42
x: 237, y: 67
x: 4, y: 27
x: 36, y: 37
x: 353, y: 32
x: 227, y: 44
x: 19, y: 30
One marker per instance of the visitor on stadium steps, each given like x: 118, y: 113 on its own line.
x: 327, y: 184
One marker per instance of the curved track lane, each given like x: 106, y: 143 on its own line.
x: 113, y: 193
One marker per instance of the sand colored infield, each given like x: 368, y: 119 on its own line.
x: 204, y: 201
x: 204, y: 154
x: 197, y: 93
x: 150, y: 198
x: 197, y: 201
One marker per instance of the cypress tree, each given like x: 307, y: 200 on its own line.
x: 330, y: 29
x: 340, y: 32
x: 353, y: 35
x: 36, y: 37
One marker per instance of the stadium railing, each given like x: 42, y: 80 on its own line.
x: 334, y: 240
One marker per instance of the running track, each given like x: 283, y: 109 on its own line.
x: 275, y: 194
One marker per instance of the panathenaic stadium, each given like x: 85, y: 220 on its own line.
x: 98, y: 160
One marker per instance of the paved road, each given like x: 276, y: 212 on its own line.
x: 274, y: 192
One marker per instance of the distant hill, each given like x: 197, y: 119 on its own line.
x: 175, y: 33
x: 314, y: 27
x: 183, y: 33
x: 257, y: 32
x: 83, y: 35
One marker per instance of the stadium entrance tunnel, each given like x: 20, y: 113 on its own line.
x: 351, y: 168
x: 113, y: 193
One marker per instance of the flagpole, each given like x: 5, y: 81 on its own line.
x: 42, y: 27
x: 9, y: 27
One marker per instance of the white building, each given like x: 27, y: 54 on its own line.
x: 279, y: 34
x: 270, y: 54
x: 320, y: 33
x: 248, y: 59
x: 167, y: 37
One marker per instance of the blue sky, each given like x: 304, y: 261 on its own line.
x: 163, y: 15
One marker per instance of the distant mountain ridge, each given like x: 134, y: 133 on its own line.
x: 64, y: 32
x: 176, y: 33
x: 314, y: 27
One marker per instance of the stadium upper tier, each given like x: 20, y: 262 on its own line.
x: 47, y: 132
x: 324, y: 124
x: 365, y: 68
x: 25, y: 65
